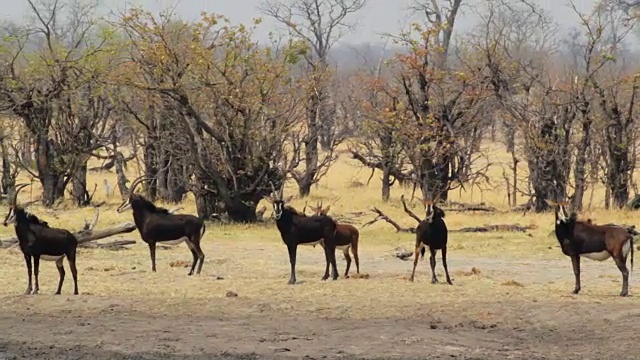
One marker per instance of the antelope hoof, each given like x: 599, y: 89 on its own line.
x: 57, y: 293
x: 334, y: 278
x: 35, y: 292
x: 449, y: 282
x: 291, y: 281
x: 28, y: 292
x: 411, y: 279
x: 576, y: 291
x: 346, y: 276
x: 434, y: 281
x: 190, y: 273
x: 624, y: 293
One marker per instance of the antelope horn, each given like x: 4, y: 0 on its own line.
x: 136, y: 182
x: 282, y: 189
x: 16, y: 191
x: 273, y: 189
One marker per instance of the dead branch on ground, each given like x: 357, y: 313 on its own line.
x: 497, y: 228
x: 457, y: 206
x: 382, y: 216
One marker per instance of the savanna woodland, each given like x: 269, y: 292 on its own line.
x: 492, y: 109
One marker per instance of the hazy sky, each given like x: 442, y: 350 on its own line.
x: 379, y: 16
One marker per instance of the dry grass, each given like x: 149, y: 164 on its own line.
x: 251, y: 260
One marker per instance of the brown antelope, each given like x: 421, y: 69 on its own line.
x: 596, y: 242
x: 347, y: 237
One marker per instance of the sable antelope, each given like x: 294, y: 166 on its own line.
x: 299, y: 229
x: 39, y: 241
x: 596, y: 242
x: 432, y: 232
x: 156, y: 224
x: 347, y: 237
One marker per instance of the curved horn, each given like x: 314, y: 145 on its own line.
x: 136, y: 182
x: 17, y: 189
x: 273, y: 189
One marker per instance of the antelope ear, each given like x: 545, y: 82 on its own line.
x: 288, y: 199
x: 551, y: 202
x: 326, y: 210
x: 269, y: 199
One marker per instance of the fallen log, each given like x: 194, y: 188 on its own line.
x: 497, y: 228
x: 458, y: 206
x: 114, y: 245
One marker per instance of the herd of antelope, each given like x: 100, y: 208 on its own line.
x: 37, y: 240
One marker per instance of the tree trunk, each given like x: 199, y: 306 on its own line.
x: 122, y: 178
x: 434, y: 178
x: 310, y: 148
x: 8, y: 181
x: 618, y: 143
x: 327, y: 122
x: 151, y: 166
x: 206, y: 204
x: 580, y: 167
x: 79, y: 186
x: 163, y: 160
x: 386, y: 184
x: 618, y: 179
x: 52, y: 182
x: 26, y: 151
x: 242, y: 211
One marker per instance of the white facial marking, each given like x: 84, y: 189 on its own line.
x: 562, y: 214
x: 429, y: 212
x: 277, y: 210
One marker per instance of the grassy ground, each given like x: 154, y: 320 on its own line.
x: 498, y: 277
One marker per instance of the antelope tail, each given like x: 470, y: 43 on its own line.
x: 204, y: 228
x: 422, y: 251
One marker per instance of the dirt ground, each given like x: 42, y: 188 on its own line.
x: 498, y: 308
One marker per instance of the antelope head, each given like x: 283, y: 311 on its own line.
x: 429, y: 210
x: 126, y: 204
x: 562, y: 215
x: 13, y: 205
x: 277, y: 201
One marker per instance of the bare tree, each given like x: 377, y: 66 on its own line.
x: 48, y: 78
x: 379, y: 145
x: 233, y: 97
x: 519, y: 48
x: 441, y: 92
x: 319, y: 24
